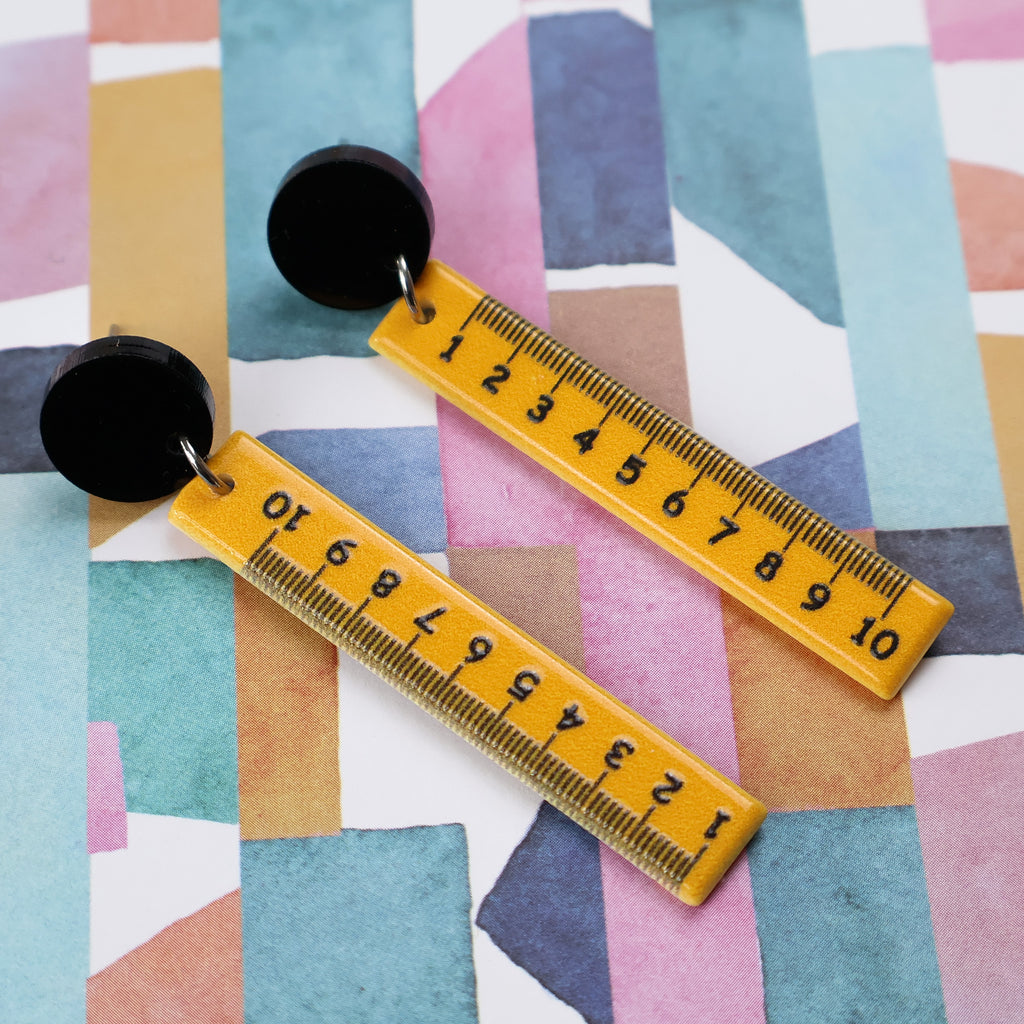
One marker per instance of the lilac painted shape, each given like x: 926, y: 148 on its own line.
x: 970, y: 818
x: 480, y: 168
x: 495, y: 496
x: 669, y: 962
x: 976, y: 29
x: 107, y: 815
x: 652, y: 635
x: 44, y: 166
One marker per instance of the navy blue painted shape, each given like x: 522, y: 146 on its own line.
x: 391, y: 475
x: 842, y: 915
x: 600, y: 154
x: 23, y: 376
x: 742, y: 139
x: 828, y: 475
x: 546, y: 912
x: 973, y: 566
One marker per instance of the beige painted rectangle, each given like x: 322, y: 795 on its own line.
x: 157, y: 250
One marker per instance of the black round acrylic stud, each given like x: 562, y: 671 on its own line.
x: 341, y: 218
x: 114, y: 413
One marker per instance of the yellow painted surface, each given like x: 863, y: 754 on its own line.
x: 835, y: 595
x: 157, y: 232
x: 1002, y: 356
x: 592, y: 757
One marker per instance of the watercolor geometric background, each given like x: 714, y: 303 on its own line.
x: 796, y: 225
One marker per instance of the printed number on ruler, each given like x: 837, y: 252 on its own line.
x: 833, y: 593
x: 615, y: 774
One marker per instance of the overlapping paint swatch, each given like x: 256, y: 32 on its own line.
x: 743, y: 155
x: 808, y: 737
x: 23, y: 376
x: 157, y: 232
x: 287, y: 686
x: 844, y: 923
x: 974, y: 568
x: 537, y: 589
x: 160, y: 669
x: 44, y: 901
x: 969, y: 810
x: 828, y: 476
x: 108, y: 818
x: 162, y: 21
x: 44, y: 117
x: 603, y: 190
x: 296, y: 80
x: 192, y: 971
x: 666, y: 961
x: 925, y: 432
x: 976, y: 29
x: 633, y: 333
x: 547, y: 913
x: 1003, y: 359
x: 480, y: 170
x: 990, y: 209
x: 388, y: 905
x: 389, y: 474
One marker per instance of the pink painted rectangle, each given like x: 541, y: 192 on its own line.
x: 652, y: 635
x: 480, y: 169
x: 44, y: 166
x: 970, y: 817
x: 107, y: 813
x: 669, y: 962
x: 976, y: 29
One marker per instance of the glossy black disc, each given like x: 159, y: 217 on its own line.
x: 112, y: 414
x: 339, y: 220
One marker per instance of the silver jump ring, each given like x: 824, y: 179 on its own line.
x: 422, y: 314
x: 219, y: 485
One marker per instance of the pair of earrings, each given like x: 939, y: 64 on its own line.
x: 131, y: 419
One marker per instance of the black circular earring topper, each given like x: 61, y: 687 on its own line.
x: 339, y: 221
x: 113, y: 414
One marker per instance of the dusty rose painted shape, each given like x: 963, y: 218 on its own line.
x: 44, y: 166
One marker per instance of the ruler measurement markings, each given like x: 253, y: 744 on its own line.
x: 607, y: 810
x: 465, y: 706
x: 874, y: 577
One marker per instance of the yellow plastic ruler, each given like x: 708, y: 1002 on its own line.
x: 843, y: 600
x: 611, y: 771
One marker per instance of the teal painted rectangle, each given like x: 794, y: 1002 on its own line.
x: 366, y: 927
x: 843, y: 919
x: 924, y: 419
x: 297, y: 77
x: 162, y: 669
x: 44, y: 865
x: 741, y: 140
